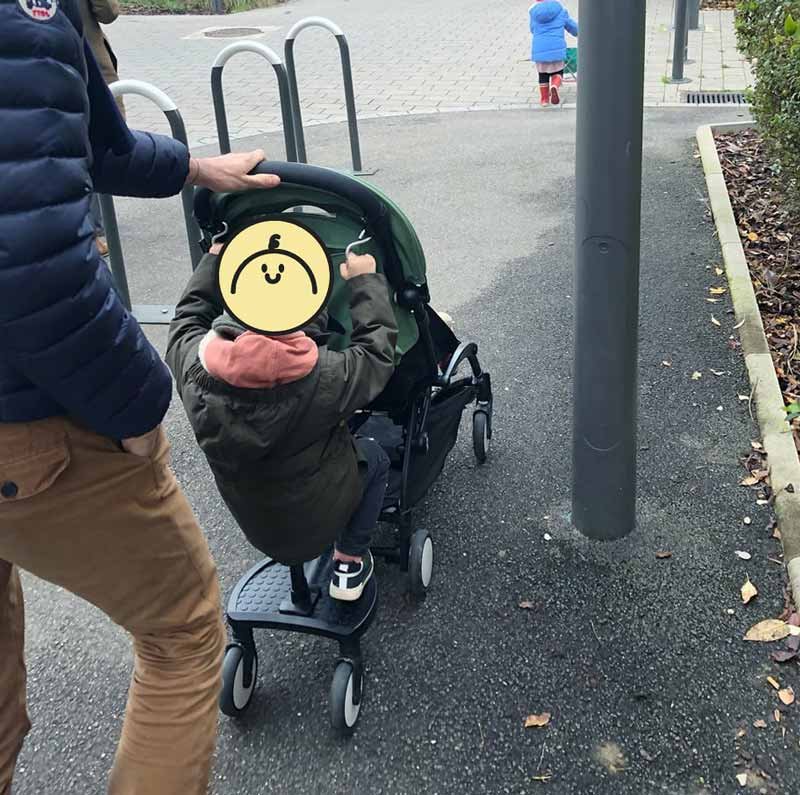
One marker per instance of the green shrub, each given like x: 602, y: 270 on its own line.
x: 769, y: 34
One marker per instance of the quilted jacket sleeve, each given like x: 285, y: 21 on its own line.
x: 62, y: 326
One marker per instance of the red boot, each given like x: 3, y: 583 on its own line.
x: 544, y: 96
x: 555, y: 84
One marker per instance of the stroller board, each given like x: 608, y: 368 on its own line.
x: 416, y: 419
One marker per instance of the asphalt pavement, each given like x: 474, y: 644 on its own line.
x: 636, y: 658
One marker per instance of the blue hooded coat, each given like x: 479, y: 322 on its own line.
x: 549, y: 19
x: 68, y: 346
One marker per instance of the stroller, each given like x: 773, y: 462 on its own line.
x: 416, y: 419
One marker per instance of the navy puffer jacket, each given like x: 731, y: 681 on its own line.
x: 67, y: 344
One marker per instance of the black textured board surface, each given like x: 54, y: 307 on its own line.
x: 258, y: 596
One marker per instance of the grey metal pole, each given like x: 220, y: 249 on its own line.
x: 347, y: 76
x: 350, y: 100
x: 609, y: 174
x: 218, y: 97
x: 294, y: 94
x: 220, y: 116
x: 193, y: 233
x: 694, y: 15
x: 115, y: 255
x: 680, y: 44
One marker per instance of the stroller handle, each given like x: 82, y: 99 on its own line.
x: 328, y: 180
x: 376, y: 214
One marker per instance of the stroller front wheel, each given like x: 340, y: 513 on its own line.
x: 237, y: 687
x: 420, y: 562
x: 481, y: 435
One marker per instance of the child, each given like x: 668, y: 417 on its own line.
x: 270, y: 414
x: 549, y: 19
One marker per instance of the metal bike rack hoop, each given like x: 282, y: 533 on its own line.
x: 283, y: 89
x: 148, y: 314
x: 347, y: 75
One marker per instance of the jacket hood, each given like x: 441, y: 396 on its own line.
x: 254, y: 361
x: 546, y: 11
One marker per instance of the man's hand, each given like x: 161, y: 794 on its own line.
x: 357, y: 266
x: 143, y: 446
x: 228, y: 173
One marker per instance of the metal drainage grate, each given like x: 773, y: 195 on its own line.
x: 716, y: 98
x: 231, y: 33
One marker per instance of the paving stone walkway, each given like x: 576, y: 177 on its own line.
x: 413, y: 57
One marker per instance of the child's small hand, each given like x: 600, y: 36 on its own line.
x: 356, y: 265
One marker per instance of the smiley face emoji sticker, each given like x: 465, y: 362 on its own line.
x: 275, y: 276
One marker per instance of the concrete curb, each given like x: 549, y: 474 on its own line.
x: 784, y: 466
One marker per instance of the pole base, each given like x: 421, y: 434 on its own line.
x: 679, y: 80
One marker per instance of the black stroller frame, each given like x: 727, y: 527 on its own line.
x: 295, y: 598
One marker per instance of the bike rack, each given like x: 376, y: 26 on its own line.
x: 159, y: 314
x: 347, y: 75
x: 283, y: 88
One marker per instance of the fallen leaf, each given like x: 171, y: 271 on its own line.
x: 744, y: 397
x: 537, y: 721
x: 749, y: 591
x: 526, y: 605
x: 542, y: 777
x: 715, y: 321
x: 762, y: 502
x: 776, y: 533
x: 750, y: 480
x: 752, y: 237
x: 712, y: 300
x: 777, y: 715
x: 666, y: 363
x: 742, y: 779
x: 717, y: 372
x: 663, y: 555
x: 739, y: 324
x: 783, y: 655
x: 756, y: 445
x: 741, y: 733
x: 743, y: 555
x: 760, y: 724
x: 774, y: 682
x: 794, y: 620
x: 793, y: 631
x: 717, y: 290
x: 696, y: 375
x: 786, y: 695
x: 719, y: 271
x: 767, y: 631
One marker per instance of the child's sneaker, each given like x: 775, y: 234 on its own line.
x: 349, y: 579
x: 544, y: 96
x: 555, y: 84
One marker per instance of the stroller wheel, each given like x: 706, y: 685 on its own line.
x: 420, y: 562
x: 346, y: 694
x: 481, y: 435
x: 237, y: 689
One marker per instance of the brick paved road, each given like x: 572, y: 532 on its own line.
x: 411, y: 57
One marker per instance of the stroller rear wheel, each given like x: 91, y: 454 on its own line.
x: 420, y: 562
x: 481, y: 435
x: 237, y: 687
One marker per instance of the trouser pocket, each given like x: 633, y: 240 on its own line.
x: 32, y: 457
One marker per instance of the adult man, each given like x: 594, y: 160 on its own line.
x: 87, y: 499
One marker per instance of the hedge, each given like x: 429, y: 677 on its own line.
x: 769, y: 34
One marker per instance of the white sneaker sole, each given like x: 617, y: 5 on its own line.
x: 349, y: 594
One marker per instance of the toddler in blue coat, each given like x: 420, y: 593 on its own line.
x: 549, y: 19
